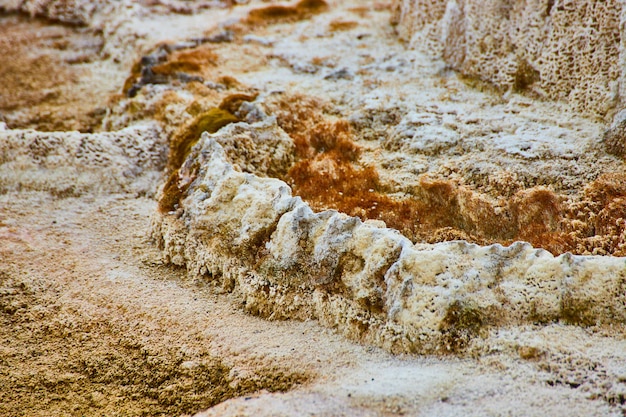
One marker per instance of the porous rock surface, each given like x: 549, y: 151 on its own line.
x: 568, y: 49
x: 71, y: 163
x: 72, y: 11
x: 290, y: 258
x: 341, y: 177
x: 250, y: 234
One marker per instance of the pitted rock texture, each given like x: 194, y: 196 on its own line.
x: 308, y: 165
x: 69, y: 164
x: 564, y: 50
x: 250, y: 235
x: 425, y: 154
x: 66, y: 11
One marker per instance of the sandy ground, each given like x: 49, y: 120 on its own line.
x: 94, y: 322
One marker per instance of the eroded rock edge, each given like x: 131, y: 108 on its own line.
x: 250, y: 235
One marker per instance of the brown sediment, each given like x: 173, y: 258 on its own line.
x: 189, y: 61
x: 172, y: 193
x: 328, y: 182
x: 280, y: 13
x: 362, y: 11
x: 44, y: 76
x: 134, y: 76
x: 232, y: 102
x: 340, y: 25
x: 327, y: 177
x: 601, y: 216
x: 210, y: 121
x: 228, y: 81
x: 166, y: 64
x: 106, y: 352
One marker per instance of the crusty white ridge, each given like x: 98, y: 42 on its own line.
x: 67, y: 11
x: 69, y: 164
x: 250, y: 235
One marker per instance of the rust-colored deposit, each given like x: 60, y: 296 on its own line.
x: 329, y: 175
x: 170, y: 62
x: 188, y: 61
x: 276, y: 13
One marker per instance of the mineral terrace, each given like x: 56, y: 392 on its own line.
x: 356, y: 207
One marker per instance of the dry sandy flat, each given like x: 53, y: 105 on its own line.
x: 96, y: 322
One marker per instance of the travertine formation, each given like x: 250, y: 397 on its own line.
x: 249, y: 234
x: 435, y: 168
x: 69, y: 164
x: 67, y: 11
x: 314, y: 167
x: 569, y: 49
x: 424, y: 166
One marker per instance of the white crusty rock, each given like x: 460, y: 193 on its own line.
x: 260, y: 148
x: 568, y: 50
x: 68, y: 11
x: 251, y: 236
x: 72, y: 163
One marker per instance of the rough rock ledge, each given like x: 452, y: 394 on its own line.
x: 252, y: 236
